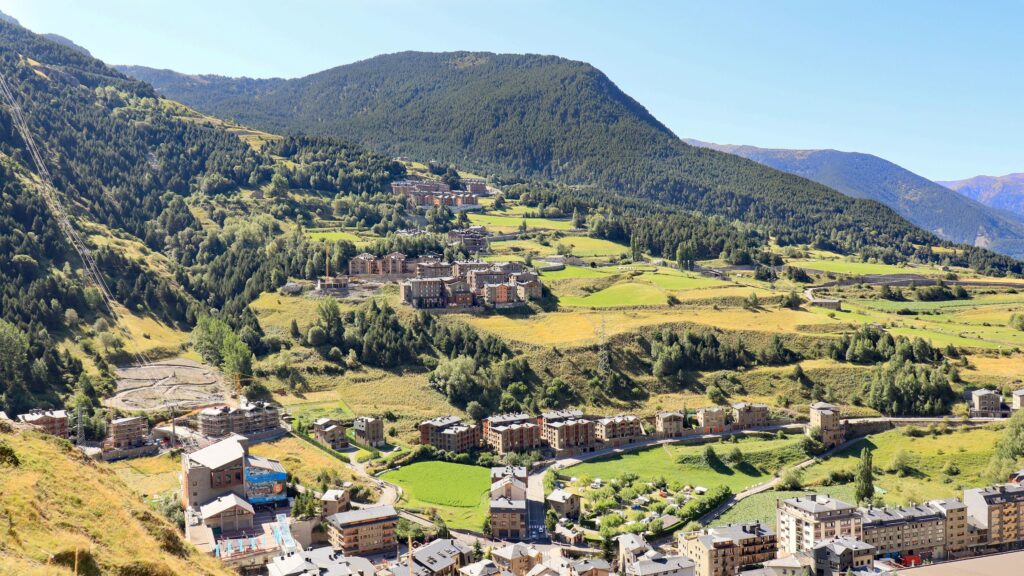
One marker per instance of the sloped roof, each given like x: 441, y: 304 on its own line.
x: 223, y: 504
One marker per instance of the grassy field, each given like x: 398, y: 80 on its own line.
x: 504, y: 224
x: 303, y: 460
x: 582, y: 246
x: 849, y: 267
x: 968, y: 449
x: 55, y: 502
x: 150, y: 476
x: 276, y: 311
x: 625, y: 295
x: 763, y: 457
x: 335, y: 235
x: 459, y: 492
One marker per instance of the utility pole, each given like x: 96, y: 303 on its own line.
x: 78, y: 432
x: 604, y: 360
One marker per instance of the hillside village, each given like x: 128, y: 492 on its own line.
x: 566, y: 343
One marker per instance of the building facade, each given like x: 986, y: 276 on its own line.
x: 671, y: 424
x: 827, y: 420
x: 363, y: 531
x: 124, y: 433
x: 722, y: 551
x: 369, y: 430
x: 803, y: 521
x: 619, y: 430
x: 516, y: 432
x: 53, y: 422
x: 711, y: 420
x: 746, y: 415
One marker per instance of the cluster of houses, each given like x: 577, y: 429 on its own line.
x: 570, y: 431
x: 987, y: 403
x: 367, y: 430
x: 469, y: 284
x: 436, y: 193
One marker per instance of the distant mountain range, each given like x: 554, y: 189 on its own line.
x: 923, y: 202
x: 516, y: 116
x: 1003, y: 192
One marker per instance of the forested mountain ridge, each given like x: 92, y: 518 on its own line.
x: 923, y: 202
x: 530, y: 116
x: 1003, y: 192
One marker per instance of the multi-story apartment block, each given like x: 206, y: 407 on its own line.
x: 570, y: 436
x: 423, y: 292
x: 473, y: 239
x: 363, y: 531
x: 516, y: 559
x: 474, y: 185
x: 442, y: 557
x: 618, y: 430
x: 959, y: 537
x: 508, y: 519
x: 564, y: 503
x: 449, y: 433
x: 746, y: 416
x: 805, y: 520
x: 248, y: 418
x: 515, y: 432
x: 826, y: 418
x: 723, y: 550
x: 916, y: 530
x: 671, y: 424
x: 433, y: 269
x: 130, y: 432
x: 503, y: 294
x: 999, y: 511
x: 54, y: 422
x: 369, y: 430
x: 987, y: 403
x: 711, y: 420
x: 330, y: 432
x: 395, y: 264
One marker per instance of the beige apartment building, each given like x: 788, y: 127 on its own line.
x: 999, y: 511
x: 363, y: 531
x: 805, y: 520
x: 571, y: 436
x: 746, y: 415
x: 671, y: 424
x: 826, y: 418
x: 711, y: 420
x: 54, y: 422
x: 987, y: 404
x: 369, y: 430
x: 618, y: 430
x: 330, y: 432
x: 334, y: 501
x: 516, y: 432
x: 248, y: 418
x: 723, y: 550
x: 508, y: 519
x: 130, y: 432
x: 917, y: 530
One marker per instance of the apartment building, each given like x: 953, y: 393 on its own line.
x: 826, y: 418
x: 619, y: 430
x: 508, y: 519
x: 671, y: 424
x: 442, y: 557
x: 498, y: 295
x: 433, y: 269
x: 516, y: 432
x: 423, y: 292
x: 805, y: 520
x: 363, y: 531
x: 987, y: 403
x: 330, y: 432
x: 474, y: 185
x: 564, y: 503
x: 334, y: 501
x: 723, y: 550
x: 369, y: 430
x: 53, y: 422
x: 918, y: 530
x: 516, y: 559
x: 999, y: 511
x: 711, y: 420
x: 123, y: 433
x: 569, y: 436
x: 473, y: 239
x: 746, y: 415
x: 449, y: 433
x: 247, y: 418
x: 959, y: 535
x: 517, y: 472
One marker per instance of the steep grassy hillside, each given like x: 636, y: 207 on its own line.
x: 1003, y: 192
x: 54, y: 502
x: 966, y: 219
x: 534, y: 116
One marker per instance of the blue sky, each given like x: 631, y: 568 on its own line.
x: 935, y: 86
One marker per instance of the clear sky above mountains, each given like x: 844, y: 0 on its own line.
x: 933, y: 86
